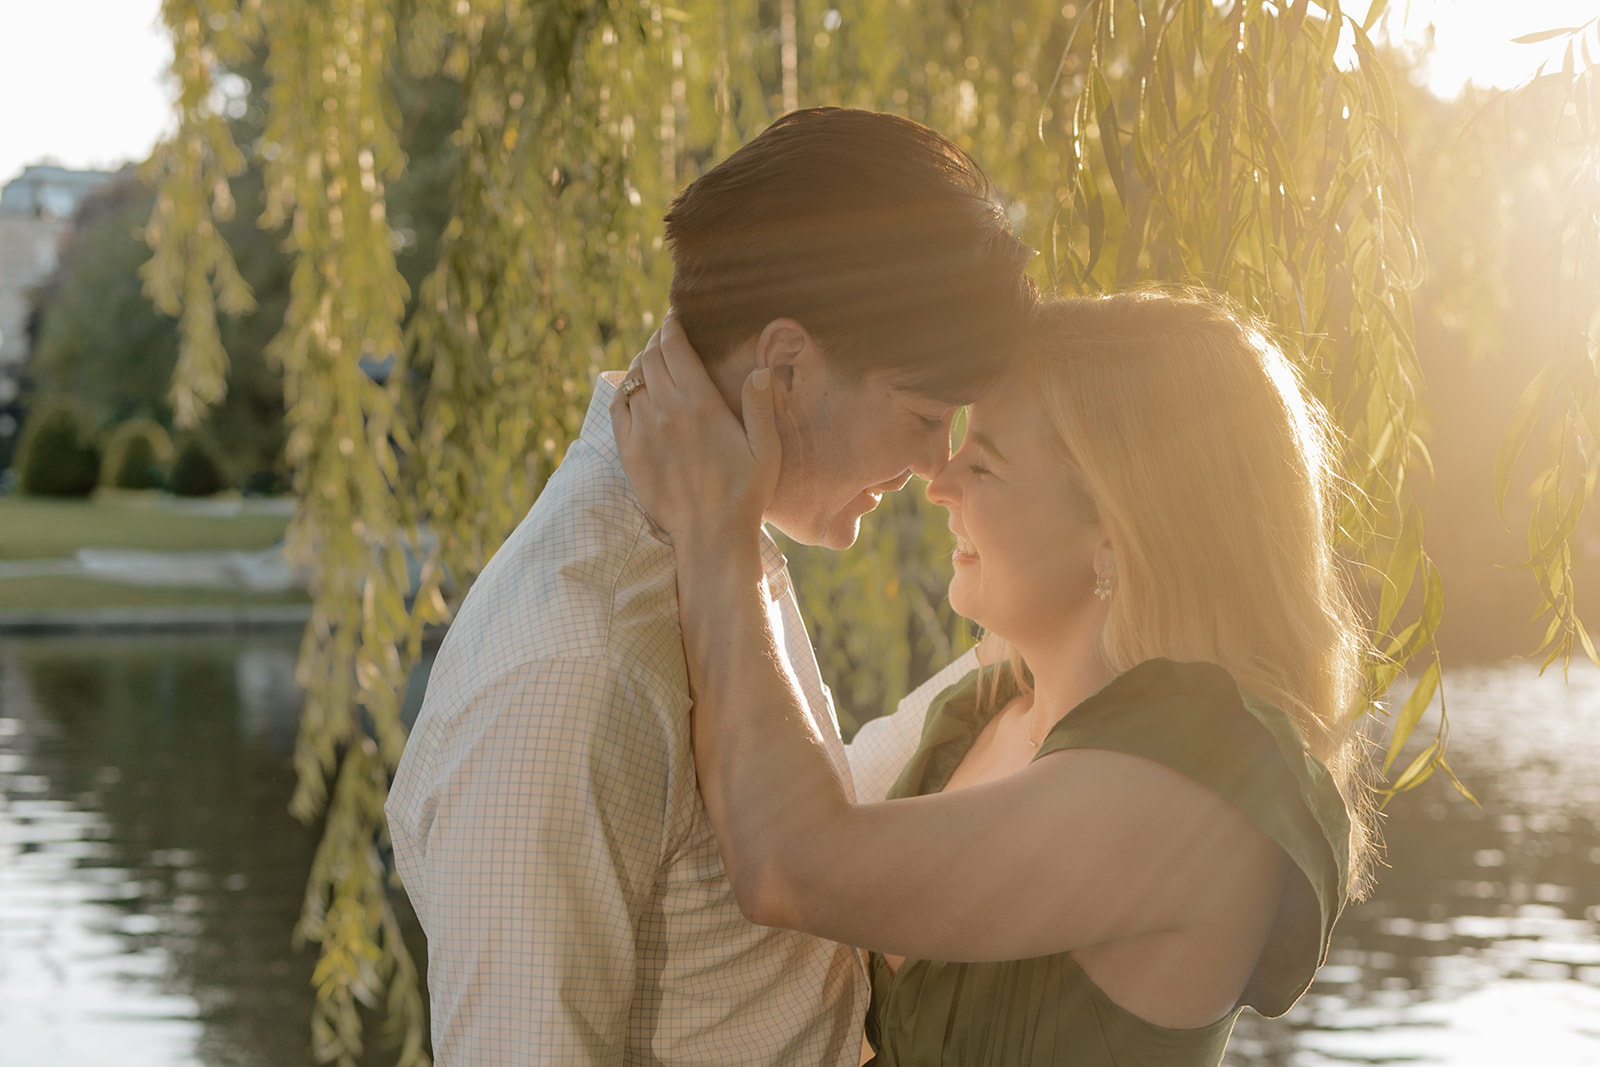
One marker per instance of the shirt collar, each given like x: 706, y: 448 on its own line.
x: 597, y: 434
x: 774, y: 565
x: 597, y: 420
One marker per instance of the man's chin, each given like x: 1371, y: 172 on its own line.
x: 842, y: 539
x: 835, y: 536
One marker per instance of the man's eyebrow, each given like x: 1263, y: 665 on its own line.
x: 986, y: 443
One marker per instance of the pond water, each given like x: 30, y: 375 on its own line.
x: 150, y: 875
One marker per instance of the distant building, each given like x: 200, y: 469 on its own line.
x: 35, y: 214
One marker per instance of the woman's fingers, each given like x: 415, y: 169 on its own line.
x: 653, y: 366
x: 674, y: 373
x: 760, y: 426
x: 691, y: 463
x: 621, y: 413
x: 679, y: 356
x: 761, y: 434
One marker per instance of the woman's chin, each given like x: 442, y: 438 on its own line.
x: 961, y: 604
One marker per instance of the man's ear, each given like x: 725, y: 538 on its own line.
x: 783, y: 348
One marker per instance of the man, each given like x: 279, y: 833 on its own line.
x: 544, y: 817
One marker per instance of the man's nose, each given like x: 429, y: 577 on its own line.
x: 933, y: 457
x: 940, y: 491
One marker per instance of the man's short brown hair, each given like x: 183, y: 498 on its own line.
x: 877, y: 234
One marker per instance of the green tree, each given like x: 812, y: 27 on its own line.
x: 1248, y: 146
x: 100, y: 342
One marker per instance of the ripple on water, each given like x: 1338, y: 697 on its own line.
x: 1481, y: 943
x: 72, y: 988
x: 150, y: 874
x: 1527, y: 1022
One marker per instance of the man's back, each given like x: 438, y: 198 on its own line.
x: 546, y: 823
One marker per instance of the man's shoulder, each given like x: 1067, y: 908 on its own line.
x: 582, y: 580
x: 567, y: 695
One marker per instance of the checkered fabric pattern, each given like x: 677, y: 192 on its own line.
x: 547, y: 827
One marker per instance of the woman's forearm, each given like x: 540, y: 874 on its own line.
x: 769, y: 786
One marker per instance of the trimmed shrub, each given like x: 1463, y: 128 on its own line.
x: 196, y: 471
x: 136, y: 465
x: 55, y: 456
x: 137, y: 456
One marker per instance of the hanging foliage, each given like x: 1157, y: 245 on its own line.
x: 1256, y: 155
x: 191, y: 271
x: 1565, y: 395
x: 1245, y: 146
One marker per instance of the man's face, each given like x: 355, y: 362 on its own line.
x: 845, y: 444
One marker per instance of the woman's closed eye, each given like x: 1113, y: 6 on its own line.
x: 978, y: 469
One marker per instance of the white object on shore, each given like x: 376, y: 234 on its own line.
x: 264, y: 571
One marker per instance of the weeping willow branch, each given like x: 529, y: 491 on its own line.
x: 1565, y: 395
x: 191, y: 272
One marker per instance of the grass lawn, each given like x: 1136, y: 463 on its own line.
x: 35, y: 528
x: 83, y: 594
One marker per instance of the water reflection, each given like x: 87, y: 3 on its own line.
x: 149, y: 872
x: 150, y: 876
x: 1481, y: 944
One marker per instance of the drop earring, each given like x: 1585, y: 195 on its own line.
x: 1102, y: 584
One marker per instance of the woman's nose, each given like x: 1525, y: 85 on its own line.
x: 941, y: 486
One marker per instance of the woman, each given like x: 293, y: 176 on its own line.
x: 1151, y: 814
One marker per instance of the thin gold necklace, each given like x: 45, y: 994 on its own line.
x: 1031, y: 742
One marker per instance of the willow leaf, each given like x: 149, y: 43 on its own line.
x: 1411, y: 713
x: 1546, y: 35
x: 1521, y: 424
x: 1419, y: 770
x: 1401, y: 570
x: 1374, y: 13
x: 1105, y: 112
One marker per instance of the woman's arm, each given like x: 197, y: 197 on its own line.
x: 1079, y: 848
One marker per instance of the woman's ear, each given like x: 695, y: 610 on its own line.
x: 1105, y: 561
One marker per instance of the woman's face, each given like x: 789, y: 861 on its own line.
x: 1026, y: 551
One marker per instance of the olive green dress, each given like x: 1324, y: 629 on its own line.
x: 1193, y: 718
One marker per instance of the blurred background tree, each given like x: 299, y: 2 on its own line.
x: 447, y: 308
x: 98, y: 339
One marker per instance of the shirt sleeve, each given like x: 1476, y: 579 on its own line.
x: 881, y: 747
x: 530, y: 849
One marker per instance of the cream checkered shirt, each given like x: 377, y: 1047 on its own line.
x: 547, y: 827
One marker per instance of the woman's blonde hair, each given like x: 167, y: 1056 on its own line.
x: 1215, y: 476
